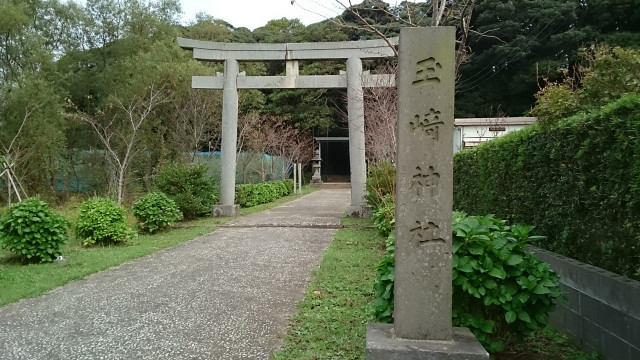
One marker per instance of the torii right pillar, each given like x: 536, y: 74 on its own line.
x: 355, y: 109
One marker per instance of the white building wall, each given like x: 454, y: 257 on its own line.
x: 475, y: 131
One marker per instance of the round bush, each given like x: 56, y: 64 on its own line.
x: 102, y: 221
x: 194, y: 192
x: 501, y: 291
x: 155, y: 212
x: 33, y: 231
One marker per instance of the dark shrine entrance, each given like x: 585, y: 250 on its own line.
x: 336, y: 167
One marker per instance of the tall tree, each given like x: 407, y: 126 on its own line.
x: 31, y: 126
x: 521, y: 39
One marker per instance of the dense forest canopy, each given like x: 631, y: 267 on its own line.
x: 73, y: 78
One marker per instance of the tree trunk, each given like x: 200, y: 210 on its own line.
x: 120, y: 185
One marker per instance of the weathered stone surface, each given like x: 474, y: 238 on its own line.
x: 383, y: 345
x: 424, y: 184
x: 225, y: 210
x: 359, y: 211
x: 316, y: 179
x: 209, y: 50
x: 229, y: 134
x: 292, y: 81
x: 355, y: 110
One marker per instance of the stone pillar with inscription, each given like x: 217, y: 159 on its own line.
x: 424, y: 198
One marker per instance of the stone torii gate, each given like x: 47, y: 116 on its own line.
x: 232, y: 80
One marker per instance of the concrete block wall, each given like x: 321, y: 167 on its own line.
x: 603, y: 313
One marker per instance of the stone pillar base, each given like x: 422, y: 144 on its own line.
x: 383, y: 345
x: 224, y: 210
x: 316, y: 184
x: 359, y: 211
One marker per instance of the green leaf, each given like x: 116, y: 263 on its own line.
x: 498, y: 273
x: 476, y: 248
x: 499, y: 243
x: 514, y: 260
x: 522, y: 315
x: 455, y: 246
x: 466, y: 268
x: 523, y: 297
x: 487, y: 263
x: 540, y: 290
x: 510, y: 317
x: 487, y: 326
x: 548, y: 283
x: 480, y: 237
x: 490, y: 284
x: 541, y: 318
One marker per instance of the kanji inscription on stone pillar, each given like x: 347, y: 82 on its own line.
x: 424, y: 190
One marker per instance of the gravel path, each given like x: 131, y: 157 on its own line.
x: 224, y: 295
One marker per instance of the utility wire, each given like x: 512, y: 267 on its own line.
x: 521, y: 41
x: 504, y: 59
x: 496, y: 67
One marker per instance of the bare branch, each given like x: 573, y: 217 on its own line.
x: 380, y: 119
x: 196, y: 122
x: 485, y: 34
x: 27, y: 114
x: 124, y: 123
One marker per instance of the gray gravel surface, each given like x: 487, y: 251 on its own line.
x: 224, y: 295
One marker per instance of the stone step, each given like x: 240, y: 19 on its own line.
x: 338, y: 178
x: 335, y: 185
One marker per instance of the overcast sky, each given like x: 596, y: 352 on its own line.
x: 256, y: 13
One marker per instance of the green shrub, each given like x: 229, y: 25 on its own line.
x: 381, y: 181
x: 384, y: 216
x: 102, y: 221
x: 554, y: 102
x: 578, y: 181
x: 155, y: 212
x: 33, y: 231
x: 605, y: 75
x: 248, y: 195
x: 383, y: 284
x: 190, y: 188
x: 384, y: 221
x: 242, y: 194
x: 289, y: 185
x: 501, y: 291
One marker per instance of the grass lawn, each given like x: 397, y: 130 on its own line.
x: 18, y: 281
x: 330, y: 323
x: 331, y: 319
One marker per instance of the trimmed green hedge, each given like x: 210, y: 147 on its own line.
x: 577, y: 181
x: 248, y: 195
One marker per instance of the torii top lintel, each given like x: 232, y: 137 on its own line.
x: 217, y: 51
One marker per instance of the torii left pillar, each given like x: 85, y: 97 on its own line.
x: 227, y: 206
